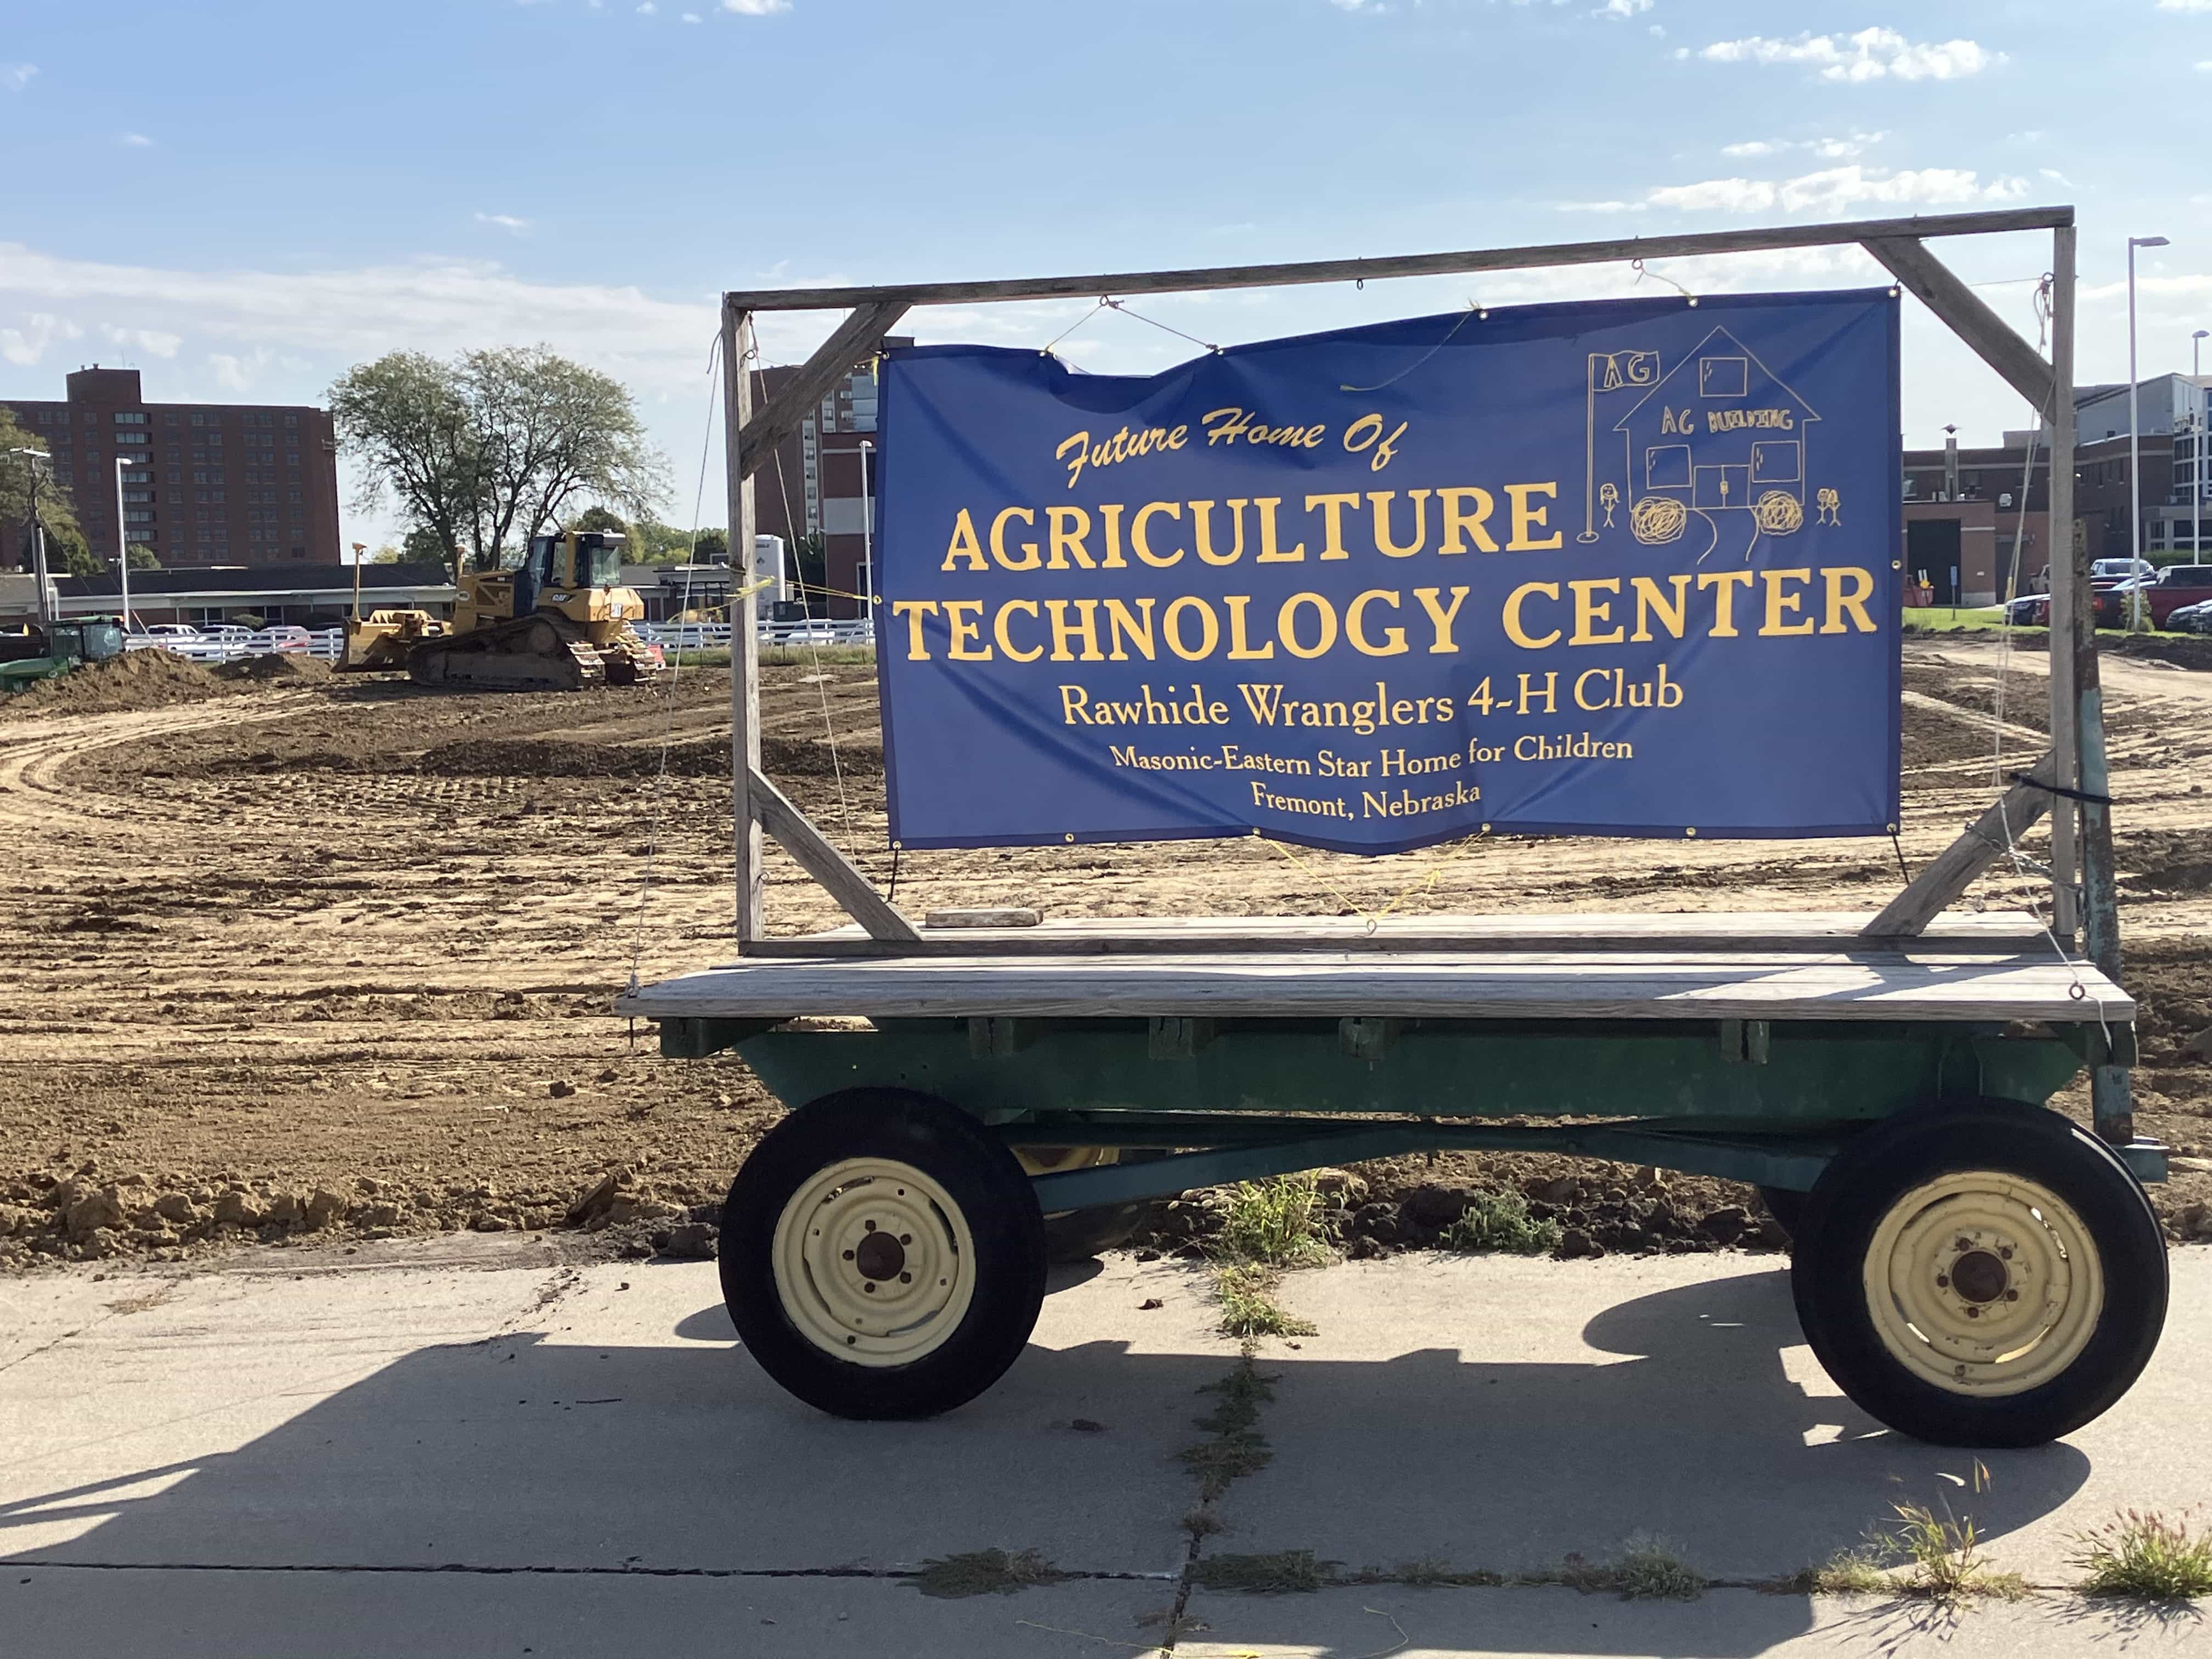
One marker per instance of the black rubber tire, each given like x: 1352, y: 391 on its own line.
x: 980, y: 1176
x: 1786, y: 1209
x: 1884, y: 1163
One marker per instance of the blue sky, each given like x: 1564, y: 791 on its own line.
x: 243, y: 198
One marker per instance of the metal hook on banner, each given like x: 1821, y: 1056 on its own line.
x: 1637, y: 266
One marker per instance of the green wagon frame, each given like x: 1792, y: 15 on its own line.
x: 1970, y: 1267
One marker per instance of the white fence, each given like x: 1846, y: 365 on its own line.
x: 328, y: 644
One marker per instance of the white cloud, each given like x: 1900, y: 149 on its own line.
x: 1869, y: 55
x: 755, y: 8
x: 2184, y: 5
x: 504, y: 221
x: 690, y: 17
x: 25, y: 346
x: 2056, y: 177
x: 1750, y: 147
x: 136, y: 141
x: 1622, y: 10
x: 1828, y: 149
x: 1830, y: 191
x: 647, y: 8
x: 14, y: 77
x: 153, y: 342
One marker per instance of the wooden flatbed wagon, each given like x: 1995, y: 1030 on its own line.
x: 1970, y: 1267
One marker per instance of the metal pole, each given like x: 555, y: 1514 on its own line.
x: 2066, y: 594
x: 123, y: 541
x: 2135, y: 461
x: 745, y: 637
x: 867, y: 540
x: 2197, y: 446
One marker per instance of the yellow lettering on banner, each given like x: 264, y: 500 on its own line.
x: 1240, y: 648
x: 1519, y: 634
x: 1366, y: 432
x: 1080, y: 443
x: 1459, y: 521
x: 1333, y: 509
x: 998, y: 631
x: 1780, y: 604
x: 1383, y: 544
x: 1286, y: 623
x: 1086, y: 628
x: 1526, y: 518
x: 1069, y: 526
x: 1724, y: 583
x: 1442, y: 617
x: 1393, y: 638
x: 1171, y: 625
x: 1589, y: 612
x: 914, y: 610
x: 1137, y: 630
x: 1137, y: 542
x: 1111, y: 514
x: 1201, y: 520
x: 1862, y: 582
x: 1650, y: 603
x: 963, y: 544
x: 964, y: 630
x: 1032, y: 559
x: 1270, y: 553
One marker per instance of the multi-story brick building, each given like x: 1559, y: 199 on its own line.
x: 221, y: 483
x: 815, y: 482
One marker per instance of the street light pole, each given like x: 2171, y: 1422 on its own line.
x: 123, y: 530
x: 867, y: 540
x: 2134, y: 459
x: 31, y: 460
x: 2197, y: 449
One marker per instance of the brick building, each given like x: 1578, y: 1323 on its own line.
x: 221, y: 483
x: 813, y: 483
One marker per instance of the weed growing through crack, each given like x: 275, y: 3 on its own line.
x: 1274, y: 1574
x: 985, y: 1572
x: 1649, y: 1570
x: 1942, y: 1555
x: 1276, y: 1224
x: 1248, y: 1308
x: 1431, y: 1572
x: 1847, y: 1572
x: 1501, y: 1222
x: 2147, y: 1557
x: 1237, y: 1447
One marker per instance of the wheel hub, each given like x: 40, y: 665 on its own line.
x: 874, y: 1261
x: 1983, y: 1283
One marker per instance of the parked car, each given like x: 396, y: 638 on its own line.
x: 2029, y: 610
x: 170, y: 631
x: 285, y: 637
x: 2192, y: 618
x: 2175, y: 587
x: 2110, y: 573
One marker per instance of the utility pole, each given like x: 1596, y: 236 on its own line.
x: 2134, y: 460
x: 123, y: 529
x: 2197, y: 419
x: 31, y: 460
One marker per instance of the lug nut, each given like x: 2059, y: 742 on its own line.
x: 906, y: 1278
x: 1943, y: 1280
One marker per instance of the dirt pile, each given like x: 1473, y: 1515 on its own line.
x: 279, y: 666
x: 136, y: 680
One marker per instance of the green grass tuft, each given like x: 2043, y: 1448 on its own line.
x: 985, y: 1572
x: 1649, y: 1570
x: 1283, y: 1570
x: 1248, y: 1308
x: 2147, y: 1557
x: 1943, y: 1556
x: 1281, y: 1223
x: 1501, y: 1221
x: 1237, y: 1448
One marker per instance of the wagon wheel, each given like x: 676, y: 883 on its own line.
x: 1980, y: 1275
x: 882, y: 1255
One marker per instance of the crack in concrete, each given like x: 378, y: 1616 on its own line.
x: 894, y: 1575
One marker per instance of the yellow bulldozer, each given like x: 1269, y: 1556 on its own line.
x: 557, y: 621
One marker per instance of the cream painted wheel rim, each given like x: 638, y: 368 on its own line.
x: 1059, y: 1160
x: 874, y: 1262
x: 1983, y: 1284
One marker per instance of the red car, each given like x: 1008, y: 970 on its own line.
x: 2177, y: 585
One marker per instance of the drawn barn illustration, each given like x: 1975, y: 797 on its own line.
x: 1718, y: 433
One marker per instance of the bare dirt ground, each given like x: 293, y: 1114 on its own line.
x: 305, y: 955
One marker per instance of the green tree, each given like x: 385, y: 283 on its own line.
x: 600, y: 519
x: 67, y: 552
x: 712, y: 547
x: 406, y: 418
x: 665, y: 543
x: 142, y: 557
x: 421, y: 545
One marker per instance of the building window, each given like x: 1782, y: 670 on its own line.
x: 291, y: 420
x: 216, y: 495
x: 295, y: 498
x: 124, y: 417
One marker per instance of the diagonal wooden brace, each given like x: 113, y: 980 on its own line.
x: 825, y: 863
x: 785, y: 412
x: 1953, y: 870
x: 1993, y: 339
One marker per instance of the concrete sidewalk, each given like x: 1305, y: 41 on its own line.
x: 465, y: 1448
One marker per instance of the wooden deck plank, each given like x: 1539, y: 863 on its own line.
x: 1109, y: 936
x: 1841, y: 985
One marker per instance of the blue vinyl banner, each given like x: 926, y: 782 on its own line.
x: 1628, y: 568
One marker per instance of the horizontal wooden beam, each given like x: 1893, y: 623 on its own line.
x: 785, y: 412
x: 1964, y: 310
x: 1953, y: 869
x: 1412, y: 264
x: 798, y: 837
